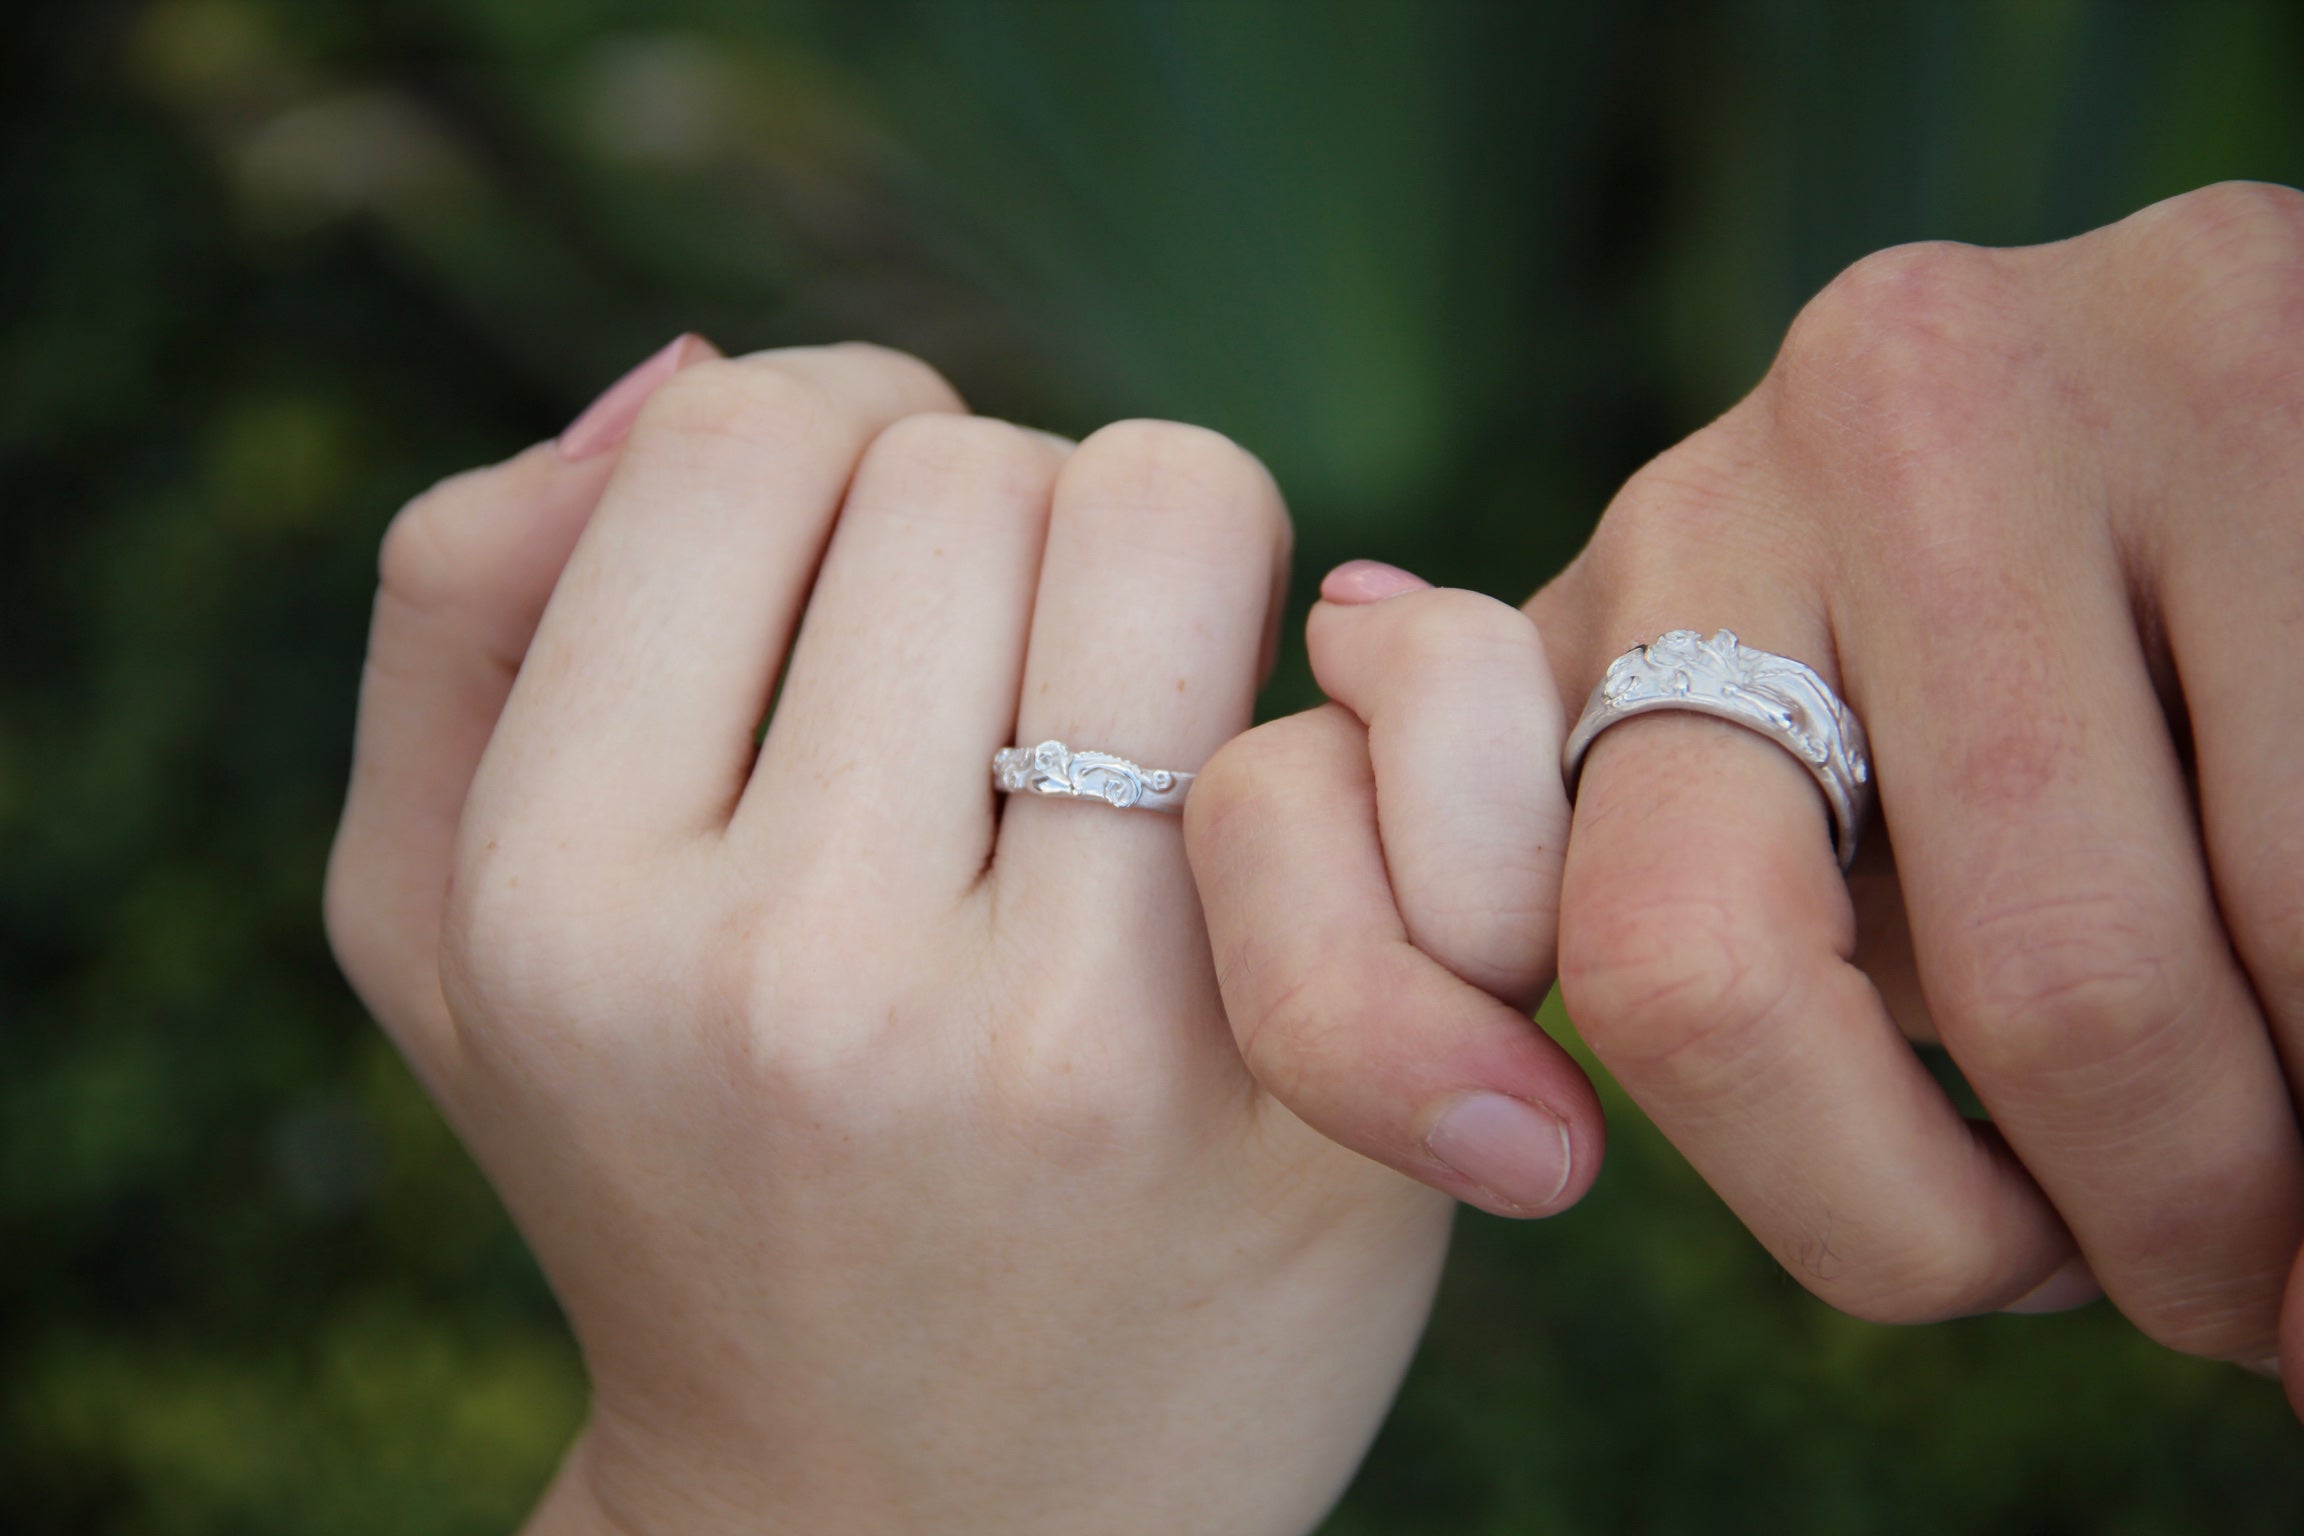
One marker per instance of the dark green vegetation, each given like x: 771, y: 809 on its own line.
x: 267, y: 267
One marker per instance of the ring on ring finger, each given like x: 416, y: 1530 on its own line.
x: 1775, y: 696
x: 1059, y: 773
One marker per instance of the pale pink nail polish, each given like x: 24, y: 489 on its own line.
x: 1515, y: 1150
x: 608, y: 420
x: 1369, y: 581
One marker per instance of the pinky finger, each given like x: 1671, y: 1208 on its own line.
x: 1341, y: 1018
x: 465, y: 572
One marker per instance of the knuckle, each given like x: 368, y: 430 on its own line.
x: 1920, y: 1291
x: 1927, y: 1278
x: 1178, y: 487
x: 425, y: 559
x: 790, y: 1023
x: 1906, y: 359
x: 2239, y: 235
x: 1909, y: 304
x: 462, y: 542
x: 2071, y: 982
x: 1441, y: 627
x: 911, y: 380
x: 1307, y: 1035
x: 936, y: 452
x: 748, y: 401
x: 1672, y: 986
x: 526, y: 932
x: 2228, y: 262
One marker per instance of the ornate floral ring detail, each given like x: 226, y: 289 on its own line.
x: 1054, y: 769
x: 1778, y: 697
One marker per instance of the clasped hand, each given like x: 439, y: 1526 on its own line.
x: 886, y: 1143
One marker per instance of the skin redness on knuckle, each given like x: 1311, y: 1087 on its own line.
x: 1909, y: 361
x: 2222, y: 270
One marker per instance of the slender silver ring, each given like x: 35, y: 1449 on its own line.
x: 1055, y: 770
x: 1782, y: 699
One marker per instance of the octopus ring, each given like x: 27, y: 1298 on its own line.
x: 1778, y: 697
x: 1055, y: 770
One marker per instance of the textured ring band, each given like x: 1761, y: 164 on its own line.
x: 1057, y: 771
x: 1782, y: 699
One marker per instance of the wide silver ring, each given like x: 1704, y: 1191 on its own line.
x: 1055, y: 770
x: 1782, y: 699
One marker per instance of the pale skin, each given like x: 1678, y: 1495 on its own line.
x: 2039, y: 516
x: 886, y: 1147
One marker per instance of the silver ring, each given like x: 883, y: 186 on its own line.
x: 1782, y: 699
x: 1055, y: 770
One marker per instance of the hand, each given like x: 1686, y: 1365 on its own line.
x: 885, y: 1146
x: 2039, y: 516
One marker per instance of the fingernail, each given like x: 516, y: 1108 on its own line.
x: 2073, y: 1285
x: 608, y: 420
x: 1369, y: 581
x: 1517, y: 1151
x: 2269, y: 1367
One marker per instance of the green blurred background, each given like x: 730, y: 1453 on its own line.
x: 268, y: 267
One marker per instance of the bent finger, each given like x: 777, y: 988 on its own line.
x: 1464, y: 733
x: 1345, y: 1021
x: 654, y: 662
x: 464, y: 575
x: 1703, y: 945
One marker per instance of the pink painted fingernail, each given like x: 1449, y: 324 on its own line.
x: 1517, y: 1151
x: 1369, y: 581
x: 608, y: 420
x: 2073, y: 1285
x: 2270, y: 1367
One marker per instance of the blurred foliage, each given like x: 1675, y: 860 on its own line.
x: 267, y: 267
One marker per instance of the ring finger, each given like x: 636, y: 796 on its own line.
x: 1706, y: 934
x: 1146, y: 636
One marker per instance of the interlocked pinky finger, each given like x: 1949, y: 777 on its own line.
x: 1360, y: 1033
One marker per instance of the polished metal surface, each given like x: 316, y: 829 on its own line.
x: 1055, y: 770
x: 1775, y: 696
